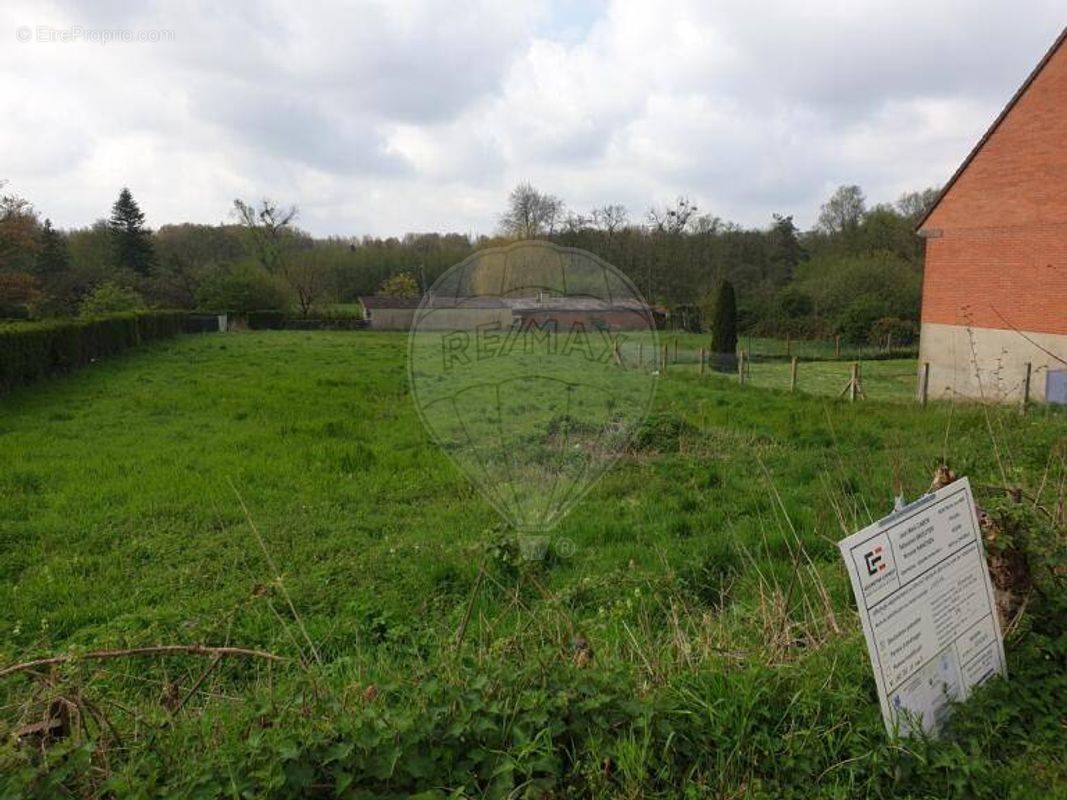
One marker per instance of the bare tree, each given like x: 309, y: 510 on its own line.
x: 844, y: 210
x: 575, y: 223
x: 270, y: 227
x: 610, y: 218
x: 307, y: 278
x: 531, y: 213
x: 672, y: 219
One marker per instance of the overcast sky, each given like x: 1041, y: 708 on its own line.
x: 383, y: 118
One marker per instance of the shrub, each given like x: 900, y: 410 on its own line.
x: 19, y: 293
x: 242, y: 288
x: 855, y: 322
x: 724, y: 327
x: 400, y: 285
x: 31, y: 352
x: 794, y: 303
x: 110, y: 298
x: 898, y: 331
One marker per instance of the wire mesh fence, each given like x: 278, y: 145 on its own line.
x: 889, y: 375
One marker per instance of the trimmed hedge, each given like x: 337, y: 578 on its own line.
x: 325, y: 324
x: 265, y: 320
x: 281, y: 321
x: 31, y: 352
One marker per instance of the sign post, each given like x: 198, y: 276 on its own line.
x: 927, y: 607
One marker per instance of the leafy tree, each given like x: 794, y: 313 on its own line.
x: 794, y: 303
x: 530, y: 213
x: 52, y: 254
x: 110, y: 298
x: 131, y: 242
x: 242, y: 287
x: 186, y: 254
x: 786, y: 251
x: 859, y: 317
x: 400, y: 285
x: 835, y: 282
x: 914, y: 205
x: 724, y: 327
x: 843, y: 211
x: 18, y: 233
x: 19, y: 294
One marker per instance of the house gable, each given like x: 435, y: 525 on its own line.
x: 1017, y: 172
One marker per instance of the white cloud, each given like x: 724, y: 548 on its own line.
x: 388, y: 117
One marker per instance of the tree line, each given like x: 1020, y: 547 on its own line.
x: 857, y: 273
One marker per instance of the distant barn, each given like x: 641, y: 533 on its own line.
x: 389, y: 313
x: 995, y: 284
x: 464, y: 313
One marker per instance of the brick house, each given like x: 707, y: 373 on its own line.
x: 995, y: 281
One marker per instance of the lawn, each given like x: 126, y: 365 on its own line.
x: 686, y: 631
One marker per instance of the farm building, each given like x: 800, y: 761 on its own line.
x: 466, y: 313
x: 995, y: 282
x: 389, y: 313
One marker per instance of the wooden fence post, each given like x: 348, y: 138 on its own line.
x: 663, y: 360
x: 701, y: 362
x: 837, y: 346
x: 924, y: 384
x: 675, y: 349
x: 640, y: 354
x: 1026, y: 387
x: 854, y: 383
x: 793, y: 375
x: 788, y: 345
x: 741, y: 368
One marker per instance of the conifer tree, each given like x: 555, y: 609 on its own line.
x: 52, y: 257
x: 724, y: 328
x: 131, y: 242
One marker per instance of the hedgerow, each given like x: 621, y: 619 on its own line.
x: 31, y: 352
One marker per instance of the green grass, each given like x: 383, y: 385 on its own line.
x: 724, y: 656
x: 762, y: 347
x: 893, y: 380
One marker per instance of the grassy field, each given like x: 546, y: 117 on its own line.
x: 892, y: 380
x: 688, y: 631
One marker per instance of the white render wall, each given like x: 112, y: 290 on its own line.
x: 987, y: 363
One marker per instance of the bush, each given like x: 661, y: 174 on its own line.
x: 31, y: 352
x: 242, y: 288
x: 724, y: 327
x: 855, y: 322
x: 110, y: 298
x: 793, y: 303
x: 836, y: 283
x: 898, y: 331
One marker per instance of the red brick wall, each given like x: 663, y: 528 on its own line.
x: 1003, y: 224
x: 1019, y: 177
x: 1020, y: 272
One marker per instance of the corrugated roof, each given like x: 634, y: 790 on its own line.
x: 992, y: 128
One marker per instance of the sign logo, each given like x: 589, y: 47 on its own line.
x: 873, y: 560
